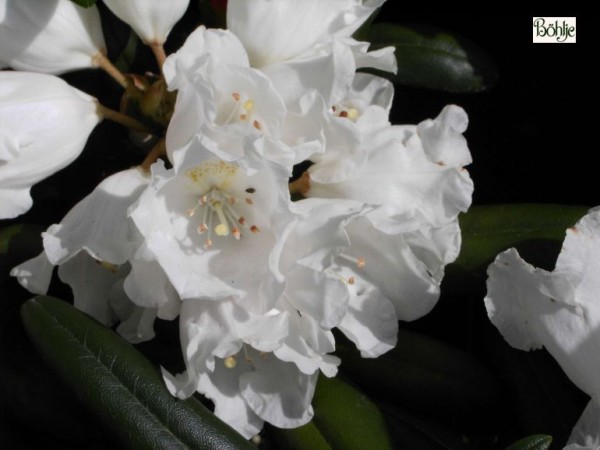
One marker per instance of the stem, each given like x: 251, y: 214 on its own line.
x: 160, y: 149
x: 104, y: 63
x: 159, y: 53
x: 123, y: 119
x: 301, y: 185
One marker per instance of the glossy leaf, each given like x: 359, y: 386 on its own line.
x: 306, y: 437
x: 536, y: 230
x: 122, y: 387
x: 347, y: 419
x: 535, y: 442
x: 85, y: 3
x: 425, y: 375
x: 435, y: 59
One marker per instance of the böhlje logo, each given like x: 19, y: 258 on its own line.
x: 552, y: 30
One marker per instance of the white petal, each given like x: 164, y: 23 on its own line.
x: 99, y: 223
x: 147, y: 285
x: 521, y: 303
x: 137, y: 323
x: 35, y: 274
x: 442, y: 137
x: 222, y: 387
x: 278, y: 392
x: 391, y: 265
x: 152, y: 20
x: 299, y: 26
x: 92, y: 285
x: 39, y: 112
x: 202, y: 45
x: 14, y: 202
x: 586, y: 433
x: 371, y: 321
x: 52, y: 36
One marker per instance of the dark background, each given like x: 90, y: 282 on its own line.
x: 529, y: 136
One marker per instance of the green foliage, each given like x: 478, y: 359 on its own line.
x: 434, y: 59
x: 121, y: 386
x: 535, y: 442
x: 85, y: 3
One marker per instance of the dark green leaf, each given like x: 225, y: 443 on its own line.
x: 425, y: 375
x: 537, y: 231
x: 307, y: 437
x: 413, y: 431
x: 347, y: 419
x: 535, y: 442
x: 434, y: 59
x: 119, y: 384
x: 85, y: 3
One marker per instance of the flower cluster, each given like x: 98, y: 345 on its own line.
x: 259, y: 265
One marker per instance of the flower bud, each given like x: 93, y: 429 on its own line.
x: 45, y: 125
x: 50, y: 36
x: 152, y: 20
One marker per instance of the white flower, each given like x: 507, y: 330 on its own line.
x: 212, y: 227
x: 313, y: 48
x: 152, y: 20
x: 222, y: 102
x: 414, y: 177
x: 45, y: 125
x: 228, y: 357
x: 92, y: 247
x: 558, y: 310
x: 50, y: 36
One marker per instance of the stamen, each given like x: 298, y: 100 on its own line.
x: 248, y: 105
x: 249, y: 201
x: 344, y: 114
x: 207, y: 244
x: 242, y: 220
x: 351, y: 281
x: 230, y: 362
x: 223, y: 228
x: 236, y: 233
x: 255, y: 229
x: 352, y: 114
x: 360, y: 261
x: 256, y: 124
x: 236, y: 96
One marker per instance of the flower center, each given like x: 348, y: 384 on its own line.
x: 217, y: 207
x: 242, y: 110
x: 346, y: 111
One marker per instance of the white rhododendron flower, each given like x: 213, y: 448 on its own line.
x: 263, y: 367
x: 50, y: 36
x: 414, y: 176
x: 45, y: 125
x: 223, y: 102
x: 557, y: 310
x: 212, y: 226
x: 92, y: 247
x: 152, y: 20
x: 313, y: 48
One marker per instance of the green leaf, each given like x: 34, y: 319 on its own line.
x: 425, y: 375
x: 306, y: 437
x: 348, y: 419
x: 435, y: 59
x: 536, y: 230
x: 535, y: 442
x: 119, y: 384
x: 85, y: 3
